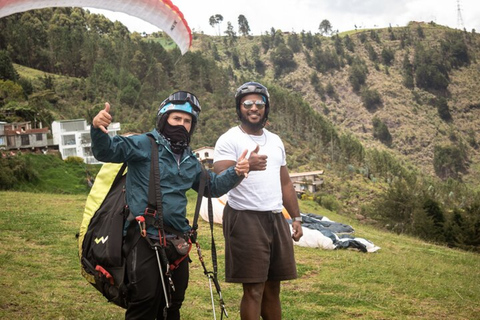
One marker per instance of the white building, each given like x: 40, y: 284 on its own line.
x: 73, y: 138
x: 3, y: 138
x: 307, y: 181
x: 205, y: 155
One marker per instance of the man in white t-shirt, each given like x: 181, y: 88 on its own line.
x: 258, y: 243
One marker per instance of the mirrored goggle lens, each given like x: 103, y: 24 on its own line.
x: 182, y: 97
x: 249, y: 103
x: 185, y: 107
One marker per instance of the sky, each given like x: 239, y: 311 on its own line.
x: 306, y: 15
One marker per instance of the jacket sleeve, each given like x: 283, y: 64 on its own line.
x: 118, y: 148
x: 220, y: 183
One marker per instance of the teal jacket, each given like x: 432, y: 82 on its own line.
x: 176, y: 177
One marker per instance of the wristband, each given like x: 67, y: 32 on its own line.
x: 299, y: 219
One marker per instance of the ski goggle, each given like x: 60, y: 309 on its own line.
x: 180, y: 97
x: 185, y: 107
x: 248, y: 104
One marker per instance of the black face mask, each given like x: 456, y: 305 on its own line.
x: 178, y: 136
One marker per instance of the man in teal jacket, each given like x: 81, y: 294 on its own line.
x: 180, y: 171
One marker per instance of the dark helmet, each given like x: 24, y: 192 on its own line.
x: 249, y: 88
x: 182, y: 101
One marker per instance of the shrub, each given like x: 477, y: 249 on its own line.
x: 282, y: 59
x: 449, y: 161
x: 328, y: 201
x: 73, y: 159
x: 352, y: 149
x: 358, y: 74
x: 431, y: 71
x: 317, y: 85
x: 16, y: 169
x: 349, y: 43
x: 371, y: 99
x: 372, y: 54
x: 381, y: 132
x: 443, y: 110
x: 388, y: 56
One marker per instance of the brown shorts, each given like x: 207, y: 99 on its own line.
x: 258, y: 246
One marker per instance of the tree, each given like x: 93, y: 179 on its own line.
x: 259, y: 65
x: 266, y: 41
x: 443, y: 110
x: 7, y: 71
x: 372, y: 54
x: 431, y: 71
x: 232, y: 35
x: 294, y: 43
x: 325, y: 27
x: 349, y: 43
x: 407, y: 73
x: 282, y: 59
x: 388, y: 55
x: 381, y: 132
x: 243, y: 26
x: 10, y: 91
x: 317, y: 85
x: 307, y: 39
x: 215, y: 20
x: 358, y: 74
x: 371, y: 98
x: 449, y: 161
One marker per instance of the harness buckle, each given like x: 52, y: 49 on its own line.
x: 150, y: 212
x: 142, y: 225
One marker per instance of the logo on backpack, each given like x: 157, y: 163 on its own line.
x: 102, y: 240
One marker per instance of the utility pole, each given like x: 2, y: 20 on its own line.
x: 459, y: 16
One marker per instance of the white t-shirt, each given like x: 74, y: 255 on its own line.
x: 261, y: 190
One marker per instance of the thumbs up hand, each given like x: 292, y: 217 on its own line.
x: 258, y: 162
x: 242, y: 167
x: 103, y: 119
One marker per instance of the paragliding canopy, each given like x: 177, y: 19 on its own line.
x: 161, y: 13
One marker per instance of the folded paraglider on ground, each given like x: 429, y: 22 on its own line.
x: 318, y: 231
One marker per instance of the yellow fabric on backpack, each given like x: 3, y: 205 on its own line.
x: 100, y: 188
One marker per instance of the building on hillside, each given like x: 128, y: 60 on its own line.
x: 73, y: 138
x: 307, y: 181
x: 3, y: 139
x: 21, y: 136
x: 205, y: 156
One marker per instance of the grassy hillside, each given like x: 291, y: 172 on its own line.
x: 407, y: 279
x: 46, y: 173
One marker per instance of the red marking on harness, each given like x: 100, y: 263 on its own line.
x: 107, y: 275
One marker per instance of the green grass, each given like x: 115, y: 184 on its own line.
x: 54, y: 175
x: 407, y: 279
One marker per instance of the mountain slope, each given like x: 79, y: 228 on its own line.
x: 410, y: 115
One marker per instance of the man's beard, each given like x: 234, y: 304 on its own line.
x: 252, y: 126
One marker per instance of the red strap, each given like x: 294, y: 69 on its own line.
x: 176, y: 263
x: 107, y: 275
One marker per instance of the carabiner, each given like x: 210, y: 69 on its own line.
x: 142, y: 226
